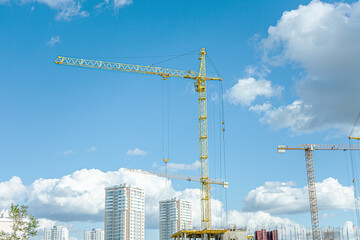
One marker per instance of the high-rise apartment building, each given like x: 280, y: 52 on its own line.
x: 94, y: 234
x: 124, y: 213
x: 174, y: 215
x: 56, y: 233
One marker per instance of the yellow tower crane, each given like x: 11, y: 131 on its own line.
x: 309, y: 148
x: 200, y: 79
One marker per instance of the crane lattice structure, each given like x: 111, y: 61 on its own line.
x: 200, y: 87
x: 309, y: 148
x: 177, y: 176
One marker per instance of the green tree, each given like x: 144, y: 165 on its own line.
x: 24, y: 225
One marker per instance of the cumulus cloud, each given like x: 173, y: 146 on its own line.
x: 11, y: 191
x: 260, y: 108
x: 294, y: 116
x: 80, y: 197
x: 253, y: 220
x: 136, y: 152
x: 53, y: 40
x: 246, y: 90
x: 322, y: 39
x: 182, y: 166
x: 285, y: 198
x: 45, y: 223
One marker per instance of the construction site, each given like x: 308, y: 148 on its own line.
x: 207, y: 231
x: 181, y: 119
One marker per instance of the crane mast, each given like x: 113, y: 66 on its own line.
x: 309, y: 148
x: 200, y: 87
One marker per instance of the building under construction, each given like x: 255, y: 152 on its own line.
x: 217, y: 234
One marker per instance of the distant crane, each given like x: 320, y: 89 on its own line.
x: 200, y: 87
x: 309, y: 148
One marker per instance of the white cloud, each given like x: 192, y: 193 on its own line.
x: 261, y: 71
x: 254, y: 220
x: 116, y: 4
x: 92, y: 149
x: 53, y: 40
x: 323, y: 40
x: 45, y: 223
x: 294, y: 116
x: 68, y: 152
x: 67, y: 9
x: 260, y: 108
x: 63, y: 200
x: 246, y: 90
x: 11, y: 191
x: 181, y: 166
x: 285, y: 198
x: 136, y: 152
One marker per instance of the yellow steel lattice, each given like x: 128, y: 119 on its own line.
x: 200, y: 86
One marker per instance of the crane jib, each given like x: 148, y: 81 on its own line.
x: 163, y: 72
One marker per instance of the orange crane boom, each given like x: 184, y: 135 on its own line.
x: 309, y: 148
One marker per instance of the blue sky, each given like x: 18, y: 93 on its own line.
x: 289, y: 72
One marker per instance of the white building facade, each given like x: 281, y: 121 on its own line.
x: 56, y: 233
x: 5, y: 222
x: 174, y: 215
x: 124, y: 213
x: 94, y: 234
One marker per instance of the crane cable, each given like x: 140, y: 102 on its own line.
x: 165, y: 85
x: 356, y: 121
x: 354, y: 176
x: 222, y: 135
x: 214, y: 135
x: 180, y: 55
x: 143, y: 57
x: 166, y: 109
x: 355, y: 185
